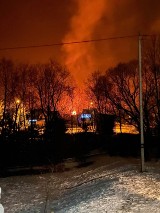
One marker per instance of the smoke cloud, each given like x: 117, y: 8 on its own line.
x: 79, y: 58
x: 102, y: 19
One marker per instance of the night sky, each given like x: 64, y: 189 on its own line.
x: 36, y: 22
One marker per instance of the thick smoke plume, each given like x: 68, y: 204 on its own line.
x: 107, y: 18
x: 79, y: 58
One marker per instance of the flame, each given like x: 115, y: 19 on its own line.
x: 80, y: 58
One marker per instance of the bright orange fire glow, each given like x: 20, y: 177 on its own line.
x: 74, y: 112
x: 79, y: 58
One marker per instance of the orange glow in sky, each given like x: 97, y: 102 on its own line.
x: 79, y: 58
x: 46, y: 22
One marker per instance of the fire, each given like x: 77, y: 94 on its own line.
x: 80, y: 100
x: 74, y: 112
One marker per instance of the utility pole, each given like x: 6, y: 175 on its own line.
x: 141, y: 102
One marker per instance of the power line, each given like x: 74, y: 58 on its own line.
x: 68, y: 43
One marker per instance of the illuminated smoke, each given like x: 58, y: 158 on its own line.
x: 102, y: 19
x: 79, y: 58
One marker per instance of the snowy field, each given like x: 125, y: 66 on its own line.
x: 108, y: 184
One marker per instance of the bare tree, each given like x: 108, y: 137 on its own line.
x: 52, y: 83
x: 118, y: 90
x: 97, y: 89
x: 124, y: 93
x: 152, y: 64
x: 23, y: 88
x: 8, y: 84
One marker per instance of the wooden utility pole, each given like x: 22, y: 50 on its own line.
x: 141, y: 102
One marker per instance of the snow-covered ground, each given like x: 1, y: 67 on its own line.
x: 109, y: 184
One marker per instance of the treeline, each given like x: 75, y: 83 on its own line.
x: 25, y: 87
x: 117, y: 90
x: 27, y: 90
x: 45, y: 86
